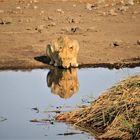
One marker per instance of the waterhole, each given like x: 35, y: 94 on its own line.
x: 29, y: 100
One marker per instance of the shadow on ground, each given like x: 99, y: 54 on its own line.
x: 134, y: 62
x: 44, y: 59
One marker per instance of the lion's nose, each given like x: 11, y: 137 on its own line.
x: 66, y: 65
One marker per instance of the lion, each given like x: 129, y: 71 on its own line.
x: 63, y: 82
x: 63, y: 52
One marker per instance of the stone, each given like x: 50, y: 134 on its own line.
x: 71, y: 30
x: 123, y: 8
x: 138, y: 42
x: 18, y: 8
x: 117, y: 43
x: 135, y: 12
x: 6, y: 20
x: 42, y: 12
x: 60, y: 11
x: 40, y: 28
x: 52, y: 24
x: 72, y: 20
x: 35, y: 1
x: 130, y: 2
x: 89, y: 6
x: 1, y: 21
x: 101, y: 1
x: 50, y: 18
x: 112, y: 12
x: 35, y: 7
x: 92, y: 29
x: 1, y: 11
x: 103, y: 13
x: 74, y: 5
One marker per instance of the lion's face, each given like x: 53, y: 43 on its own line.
x: 67, y: 53
x: 63, y: 52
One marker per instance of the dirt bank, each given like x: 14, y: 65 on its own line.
x: 114, y: 115
x: 108, y: 32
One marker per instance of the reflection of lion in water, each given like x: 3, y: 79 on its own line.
x: 63, y: 82
x: 63, y: 52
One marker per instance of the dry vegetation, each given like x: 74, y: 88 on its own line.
x: 114, y: 115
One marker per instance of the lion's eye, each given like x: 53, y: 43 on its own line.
x: 60, y: 48
x: 71, y: 47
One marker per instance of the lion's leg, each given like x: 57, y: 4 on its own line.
x: 56, y: 63
x: 52, y: 61
x: 49, y: 54
x: 74, y: 63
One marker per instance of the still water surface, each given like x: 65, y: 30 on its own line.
x: 46, y: 90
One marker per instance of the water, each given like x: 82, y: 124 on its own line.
x: 22, y: 91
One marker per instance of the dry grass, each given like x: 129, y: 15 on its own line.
x: 115, y: 114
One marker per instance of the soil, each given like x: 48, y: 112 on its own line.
x: 108, y: 32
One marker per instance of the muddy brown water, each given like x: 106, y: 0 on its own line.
x: 35, y: 95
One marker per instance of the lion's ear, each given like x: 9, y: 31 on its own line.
x: 48, y: 45
x: 51, y: 48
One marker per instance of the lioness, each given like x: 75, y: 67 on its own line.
x: 63, y: 82
x: 63, y: 52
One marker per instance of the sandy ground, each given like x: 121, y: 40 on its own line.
x: 108, y: 33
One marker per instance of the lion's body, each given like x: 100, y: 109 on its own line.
x: 63, y: 52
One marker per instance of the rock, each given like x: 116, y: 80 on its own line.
x: 74, y: 5
x: 31, y: 1
x: 40, y: 28
x: 101, y: 1
x: 112, y: 12
x: 123, y: 8
x: 72, y: 20
x: 130, y: 2
x: 90, y: 6
x: 35, y: 7
x: 103, y: 13
x: 6, y: 20
x: 52, y: 24
x: 50, y: 18
x: 65, y: 29
x: 92, y: 29
x: 60, y: 11
x: 35, y: 1
x: 135, y: 12
x: 121, y: 2
x: 72, y: 30
x: 138, y: 42
x: 18, y: 8
x: 117, y: 43
x: 28, y: 20
x: 1, y: 11
x: 1, y: 21
x: 42, y: 12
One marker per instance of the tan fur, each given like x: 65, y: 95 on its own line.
x: 63, y: 82
x: 63, y: 52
